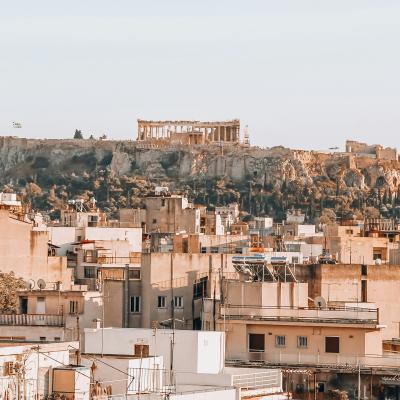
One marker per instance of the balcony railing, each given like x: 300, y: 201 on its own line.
x: 337, y: 315
x: 32, y: 319
x: 267, y: 379
x: 306, y: 358
x: 113, y: 260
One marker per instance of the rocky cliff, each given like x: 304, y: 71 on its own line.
x: 264, y: 181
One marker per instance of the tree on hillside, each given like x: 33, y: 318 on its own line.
x: 78, y: 134
x: 9, y: 284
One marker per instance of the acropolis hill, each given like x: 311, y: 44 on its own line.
x: 265, y: 181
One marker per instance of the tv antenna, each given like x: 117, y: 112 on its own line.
x: 320, y: 302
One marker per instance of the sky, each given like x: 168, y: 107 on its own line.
x: 302, y: 74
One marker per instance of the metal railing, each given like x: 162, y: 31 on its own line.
x: 305, y: 358
x: 150, y: 380
x: 113, y: 260
x: 32, y: 319
x: 348, y: 315
x: 268, y: 379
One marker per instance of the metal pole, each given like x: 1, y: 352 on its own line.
x: 37, y: 373
x: 102, y: 322
x: 315, y: 385
x: 359, y: 381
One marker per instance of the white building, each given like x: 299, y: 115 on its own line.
x: 9, y: 199
x: 171, y: 345
x: 32, y: 368
x: 194, y: 363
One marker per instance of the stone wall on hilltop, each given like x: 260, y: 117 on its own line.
x: 252, y: 171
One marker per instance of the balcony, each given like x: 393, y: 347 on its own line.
x: 133, y: 259
x: 334, y: 315
x: 31, y: 320
x: 302, y: 359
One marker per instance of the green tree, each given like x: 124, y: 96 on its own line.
x: 9, y: 285
x: 78, y: 134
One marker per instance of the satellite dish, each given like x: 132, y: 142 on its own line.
x: 320, y: 302
x: 378, y: 261
x: 41, y: 284
x: 30, y: 284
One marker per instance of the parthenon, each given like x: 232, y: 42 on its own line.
x: 189, y: 132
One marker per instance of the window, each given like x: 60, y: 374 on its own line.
x: 154, y: 221
x: 161, y: 301
x: 41, y: 305
x: 332, y: 344
x: 178, y: 302
x: 73, y: 307
x: 214, y: 249
x: 89, y: 272
x: 302, y: 342
x: 91, y: 256
x: 256, y: 342
x: 280, y: 340
x: 349, y: 231
x: 364, y: 291
x: 203, y: 249
x: 42, y: 338
x: 321, y: 387
x: 364, y: 270
x: 57, y: 338
x: 377, y: 253
x: 135, y: 304
x: 134, y: 274
x: 162, y: 202
x: 200, y: 288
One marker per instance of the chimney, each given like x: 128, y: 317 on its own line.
x: 97, y: 323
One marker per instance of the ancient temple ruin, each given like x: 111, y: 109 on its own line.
x: 189, y: 132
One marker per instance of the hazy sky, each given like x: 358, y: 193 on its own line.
x: 304, y: 74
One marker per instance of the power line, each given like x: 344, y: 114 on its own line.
x: 103, y: 362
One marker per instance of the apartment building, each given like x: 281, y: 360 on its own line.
x: 322, y: 347
x: 202, y: 243
x: 25, y: 251
x: 375, y: 241
x: 203, y: 375
x: 37, y: 370
x: 51, y: 315
x: 358, y: 283
x: 171, y: 214
x: 168, y: 290
x: 272, y: 321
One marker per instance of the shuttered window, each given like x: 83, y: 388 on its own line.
x: 332, y: 344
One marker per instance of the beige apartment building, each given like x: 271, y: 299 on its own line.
x: 358, y: 283
x: 25, y: 251
x: 321, y: 347
x: 51, y: 306
x: 377, y: 241
x: 273, y: 322
x: 168, y: 291
x: 51, y: 315
x: 201, y: 243
x: 96, y: 255
x: 171, y: 214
